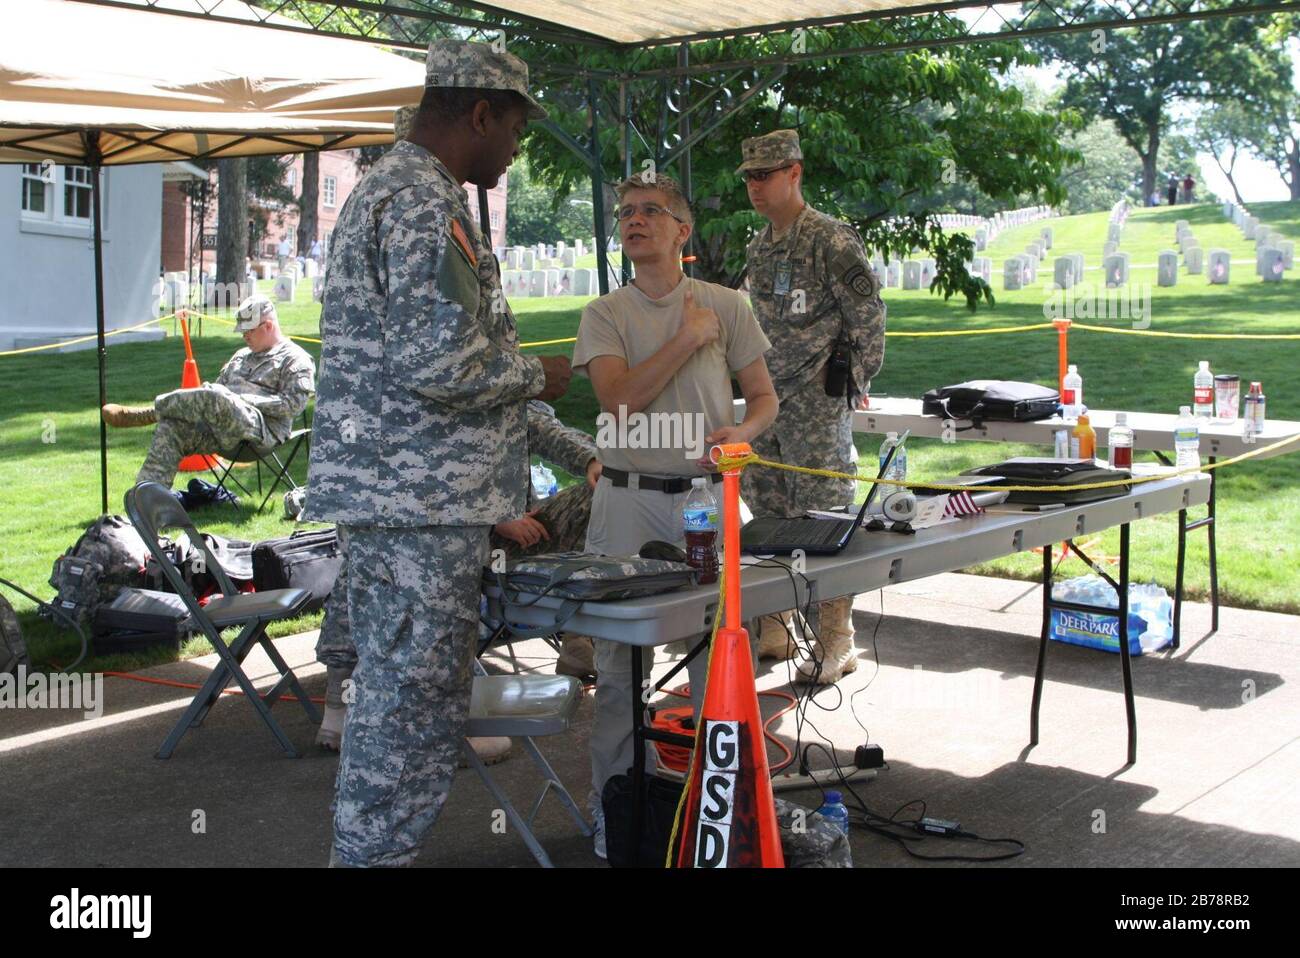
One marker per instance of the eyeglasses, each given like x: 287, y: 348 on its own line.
x: 760, y: 176
x: 648, y: 210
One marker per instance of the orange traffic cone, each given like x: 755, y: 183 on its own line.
x: 190, y: 380
x: 728, y: 819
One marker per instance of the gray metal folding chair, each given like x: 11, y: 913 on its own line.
x: 151, y: 509
x: 525, y: 707
x: 246, y: 452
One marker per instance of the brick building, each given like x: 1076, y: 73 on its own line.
x: 338, y: 175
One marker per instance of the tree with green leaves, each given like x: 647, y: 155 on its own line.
x: 1131, y: 76
x: 1227, y: 131
x: 880, y: 134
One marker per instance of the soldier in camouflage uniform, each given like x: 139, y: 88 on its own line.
x: 811, y: 285
x: 556, y: 524
x: 419, y: 441
x: 260, y: 391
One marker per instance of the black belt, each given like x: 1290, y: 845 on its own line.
x: 673, y: 486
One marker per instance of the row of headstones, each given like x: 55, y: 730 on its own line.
x: 555, y: 282
x: 544, y: 256
x: 1274, y: 253
x: 988, y: 231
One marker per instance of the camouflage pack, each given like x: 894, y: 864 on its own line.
x: 109, y: 557
x: 13, y: 650
x: 589, y: 578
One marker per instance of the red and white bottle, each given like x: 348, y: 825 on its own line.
x: 1203, y: 391
x: 1072, y: 394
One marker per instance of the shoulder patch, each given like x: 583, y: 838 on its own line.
x: 462, y: 240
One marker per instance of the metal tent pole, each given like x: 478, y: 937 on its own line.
x: 96, y: 202
x: 598, y: 193
x: 684, y: 129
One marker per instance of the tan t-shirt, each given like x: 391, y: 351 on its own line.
x: 668, y: 439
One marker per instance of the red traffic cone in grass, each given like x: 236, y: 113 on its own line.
x: 728, y: 817
x: 190, y: 380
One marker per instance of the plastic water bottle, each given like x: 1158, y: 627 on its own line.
x: 1187, y: 440
x: 544, y: 484
x: 833, y: 810
x: 897, y: 468
x: 1119, y: 443
x: 700, y: 520
x: 1072, y: 394
x: 1203, y: 391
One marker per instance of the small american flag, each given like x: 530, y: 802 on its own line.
x: 961, y: 504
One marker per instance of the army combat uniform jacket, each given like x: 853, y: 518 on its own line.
x: 806, y: 288
x: 421, y: 415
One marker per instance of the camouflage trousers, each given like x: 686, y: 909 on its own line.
x: 812, y: 429
x: 565, y: 516
x: 413, y: 594
x: 209, y: 419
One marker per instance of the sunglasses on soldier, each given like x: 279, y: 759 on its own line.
x: 760, y: 176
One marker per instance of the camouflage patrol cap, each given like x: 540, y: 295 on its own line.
x: 767, y: 152
x: 253, y: 312
x: 460, y: 63
x: 403, y: 120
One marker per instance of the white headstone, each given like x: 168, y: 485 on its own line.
x: 1029, y: 269
x: 1063, y: 272
x: 1112, y: 233
x: 893, y: 274
x: 565, y: 285
x: 983, y: 268
x: 1116, y: 269
x: 1194, y: 260
x: 927, y: 273
x: 552, y: 282
x: 512, y: 257
x: 981, y: 240
x: 1078, y: 267
x: 537, y: 282
x: 1181, y: 225
x: 911, y: 274
x: 584, y: 283
x: 310, y: 269
x: 1249, y: 227
x: 1270, y: 264
x: 526, y: 260
x: 1219, y: 267
x: 1167, y: 268
x: 569, y: 258
x: 1013, y: 273
x: 1288, y: 254
x: 318, y: 288
x: 1046, y: 234
x: 268, y: 271
x: 285, y: 286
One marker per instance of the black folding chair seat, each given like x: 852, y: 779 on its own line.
x: 249, y: 452
x: 151, y: 509
x: 227, y: 610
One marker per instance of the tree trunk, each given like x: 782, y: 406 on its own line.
x: 1293, y: 161
x: 232, y: 220
x: 1149, y: 160
x: 308, y: 202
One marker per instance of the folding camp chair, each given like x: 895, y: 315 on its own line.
x: 525, y: 707
x: 151, y: 509
x: 247, y: 452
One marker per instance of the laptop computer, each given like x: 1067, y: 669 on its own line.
x: 811, y: 536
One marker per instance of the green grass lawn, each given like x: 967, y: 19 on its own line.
x: 49, y: 470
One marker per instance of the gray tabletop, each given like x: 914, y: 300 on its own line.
x: 870, y: 561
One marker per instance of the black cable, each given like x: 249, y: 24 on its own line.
x: 44, y: 607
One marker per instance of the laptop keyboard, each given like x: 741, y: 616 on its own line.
x: 807, y: 532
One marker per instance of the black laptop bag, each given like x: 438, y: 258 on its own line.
x: 1031, y: 471
x: 997, y: 400
x: 308, y: 559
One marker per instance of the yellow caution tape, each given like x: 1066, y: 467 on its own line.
x: 84, y: 339
x: 740, y: 462
x: 231, y: 322
x: 1156, y: 332
x: 975, y: 332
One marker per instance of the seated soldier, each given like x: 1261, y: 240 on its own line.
x: 260, y: 391
x: 556, y: 524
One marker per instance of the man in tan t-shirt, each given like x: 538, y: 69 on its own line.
x: 660, y: 354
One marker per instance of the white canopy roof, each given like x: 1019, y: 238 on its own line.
x: 162, y: 88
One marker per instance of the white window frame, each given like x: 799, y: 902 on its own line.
x: 329, y: 190
x: 58, y: 179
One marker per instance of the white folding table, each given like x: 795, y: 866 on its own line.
x: 870, y: 561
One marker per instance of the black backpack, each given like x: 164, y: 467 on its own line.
x: 998, y: 400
